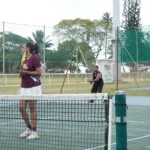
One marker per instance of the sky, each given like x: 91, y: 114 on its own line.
x: 50, y: 12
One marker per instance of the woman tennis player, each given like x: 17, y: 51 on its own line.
x: 30, y: 85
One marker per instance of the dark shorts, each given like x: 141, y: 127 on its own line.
x: 97, y: 88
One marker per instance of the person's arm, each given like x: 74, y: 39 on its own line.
x: 38, y: 72
x: 99, y: 76
x: 20, y: 74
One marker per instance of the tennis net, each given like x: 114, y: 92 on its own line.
x: 64, y: 122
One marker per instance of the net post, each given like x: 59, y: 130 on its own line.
x: 110, y: 123
x: 121, y: 124
x: 108, y: 117
x: 107, y: 120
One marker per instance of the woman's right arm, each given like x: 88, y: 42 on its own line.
x: 20, y: 74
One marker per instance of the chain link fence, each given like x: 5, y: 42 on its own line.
x: 54, y: 62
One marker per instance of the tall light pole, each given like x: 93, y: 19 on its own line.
x: 116, y: 23
x: 115, y: 29
x: 107, y: 25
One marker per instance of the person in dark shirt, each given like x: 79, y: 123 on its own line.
x: 30, y: 85
x: 98, y: 81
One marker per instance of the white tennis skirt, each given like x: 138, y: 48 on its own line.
x: 30, y: 91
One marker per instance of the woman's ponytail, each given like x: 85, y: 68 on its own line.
x: 33, y: 48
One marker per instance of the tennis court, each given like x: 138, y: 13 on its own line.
x: 83, y: 134
x: 138, y: 123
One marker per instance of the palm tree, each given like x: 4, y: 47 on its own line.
x: 108, y: 23
x: 38, y: 38
x: 43, y: 43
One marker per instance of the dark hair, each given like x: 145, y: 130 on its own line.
x: 33, y: 48
x: 96, y: 66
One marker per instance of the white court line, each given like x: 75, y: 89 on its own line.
x: 132, y: 121
x: 140, y: 122
x: 142, y: 137
x: 136, y: 122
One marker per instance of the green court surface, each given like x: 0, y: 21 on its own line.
x: 138, y: 124
x: 57, y: 137
x: 56, y: 131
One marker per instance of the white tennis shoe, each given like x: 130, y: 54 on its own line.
x: 33, y: 135
x: 25, y: 133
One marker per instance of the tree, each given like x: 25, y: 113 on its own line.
x: 88, y: 55
x: 60, y: 58
x: 91, y: 33
x: 131, y: 15
x: 67, y: 50
x: 13, y: 44
x: 108, y: 28
x: 131, y: 37
x: 38, y: 38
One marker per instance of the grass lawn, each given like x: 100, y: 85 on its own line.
x: 52, y: 84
